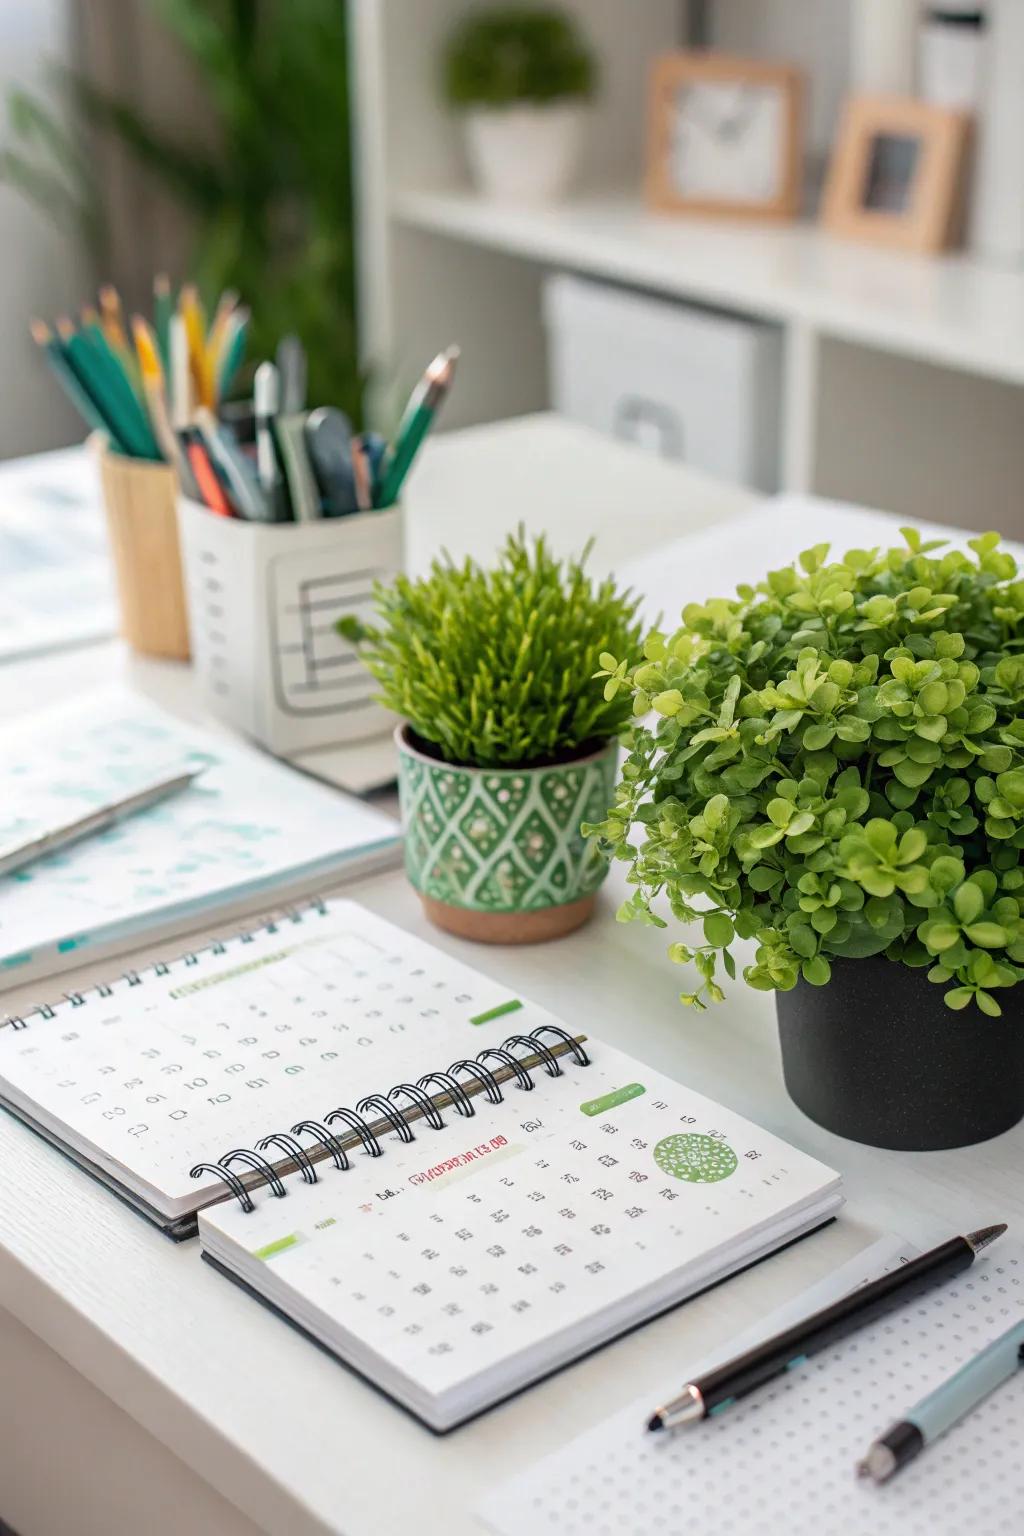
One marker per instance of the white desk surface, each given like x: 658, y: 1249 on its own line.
x: 292, y: 1439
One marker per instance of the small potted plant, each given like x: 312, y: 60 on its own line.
x: 837, y: 776
x: 520, y: 77
x: 507, y: 744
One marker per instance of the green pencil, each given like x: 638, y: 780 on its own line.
x: 233, y: 352
x: 105, y: 380
x: 89, y: 409
x: 124, y: 366
x: 162, y: 307
x: 417, y: 419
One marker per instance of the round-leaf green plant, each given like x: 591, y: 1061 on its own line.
x: 527, y: 54
x: 836, y: 770
x: 495, y: 667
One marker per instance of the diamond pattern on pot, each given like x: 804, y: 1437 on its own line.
x: 505, y: 887
x: 558, y: 790
x: 450, y: 789
x: 536, y: 840
x: 453, y: 870
x: 482, y: 828
x: 504, y: 841
x: 506, y: 793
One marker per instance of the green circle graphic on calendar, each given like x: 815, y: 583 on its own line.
x: 697, y: 1159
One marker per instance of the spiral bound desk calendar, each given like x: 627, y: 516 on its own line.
x: 390, y: 1118
x: 162, y: 968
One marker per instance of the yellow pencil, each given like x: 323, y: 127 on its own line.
x: 110, y: 313
x: 195, y: 330
x: 156, y: 399
x: 226, y: 305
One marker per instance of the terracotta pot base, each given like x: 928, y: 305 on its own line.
x: 534, y: 927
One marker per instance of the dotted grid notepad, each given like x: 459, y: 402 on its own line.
x: 784, y: 1459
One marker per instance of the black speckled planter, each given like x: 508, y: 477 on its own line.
x: 877, y: 1056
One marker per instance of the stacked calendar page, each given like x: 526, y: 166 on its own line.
x: 450, y: 1189
x: 248, y: 831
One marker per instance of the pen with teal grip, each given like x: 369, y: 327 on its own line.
x: 946, y: 1406
x: 417, y: 419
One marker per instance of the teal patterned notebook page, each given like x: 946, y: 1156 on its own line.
x: 248, y: 830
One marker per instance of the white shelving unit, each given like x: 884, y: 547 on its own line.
x: 903, y: 374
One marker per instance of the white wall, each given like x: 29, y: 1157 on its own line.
x: 42, y: 270
x: 812, y: 33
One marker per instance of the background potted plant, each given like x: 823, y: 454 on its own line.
x: 837, y: 774
x: 520, y: 77
x: 508, y: 744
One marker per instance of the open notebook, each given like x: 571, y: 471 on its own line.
x: 246, y: 833
x: 431, y: 1176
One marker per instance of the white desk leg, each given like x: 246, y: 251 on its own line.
x: 799, y: 407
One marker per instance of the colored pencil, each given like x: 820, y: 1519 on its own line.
x: 89, y: 408
x: 106, y: 380
x: 417, y: 419
x: 233, y: 350
x: 156, y: 400
x: 191, y: 311
x: 162, y: 307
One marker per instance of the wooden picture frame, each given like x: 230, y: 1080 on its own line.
x: 678, y: 83
x: 918, y: 204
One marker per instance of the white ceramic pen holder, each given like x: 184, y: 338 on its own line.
x: 264, y: 600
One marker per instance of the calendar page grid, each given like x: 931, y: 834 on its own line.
x: 287, y: 1026
x: 533, y: 1218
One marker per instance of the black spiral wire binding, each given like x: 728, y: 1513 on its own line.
x: 359, y: 1125
x: 424, y: 1106
x: 484, y: 1076
x: 160, y: 968
x: 500, y: 1053
x: 232, y: 1181
x: 423, y: 1101
x: 450, y: 1085
x: 258, y: 1164
x: 393, y: 1116
x: 293, y: 1149
x: 326, y: 1139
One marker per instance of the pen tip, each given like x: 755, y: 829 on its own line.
x: 985, y: 1235
x: 655, y: 1422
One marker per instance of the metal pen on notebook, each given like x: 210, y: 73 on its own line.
x: 15, y: 856
x: 958, y: 1396
x: 716, y: 1390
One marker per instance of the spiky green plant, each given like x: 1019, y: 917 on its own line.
x: 495, y: 667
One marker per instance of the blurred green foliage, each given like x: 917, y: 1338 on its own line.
x: 271, y: 201
x: 517, y: 54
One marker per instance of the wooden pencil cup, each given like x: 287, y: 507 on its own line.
x: 142, y: 522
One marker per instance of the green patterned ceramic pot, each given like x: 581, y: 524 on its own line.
x: 496, y: 853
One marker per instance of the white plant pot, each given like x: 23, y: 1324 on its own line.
x: 524, y: 154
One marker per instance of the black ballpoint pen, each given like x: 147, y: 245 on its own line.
x: 716, y: 1390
